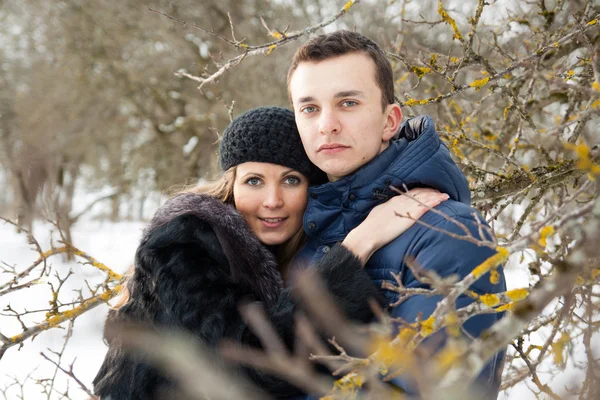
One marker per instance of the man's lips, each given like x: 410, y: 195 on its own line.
x: 331, y: 147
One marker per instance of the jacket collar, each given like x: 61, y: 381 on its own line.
x: 416, y: 157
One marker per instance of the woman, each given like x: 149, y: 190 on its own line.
x: 207, y: 249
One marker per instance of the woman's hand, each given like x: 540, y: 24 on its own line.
x: 389, y: 220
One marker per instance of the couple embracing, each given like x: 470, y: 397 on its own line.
x: 312, y: 186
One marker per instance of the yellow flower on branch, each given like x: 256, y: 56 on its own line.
x: 450, y: 355
x: 433, y: 60
x: 405, y: 336
x: 506, y: 307
x: 384, y: 350
x: 271, y: 48
x: 427, y: 326
x: 449, y: 20
x: 492, y: 262
x: 348, y: 5
x: 584, y: 161
x: 569, y: 74
x: 452, y: 324
x: 558, y: 348
x: 455, y: 106
x: 494, y: 277
x: 456, y: 149
x: 413, y: 102
x: 544, y: 233
x: 479, y: 83
x: 489, y: 300
x: 403, y: 77
x: 420, y: 72
x: 517, y: 294
x: 349, y: 383
x: 73, y: 313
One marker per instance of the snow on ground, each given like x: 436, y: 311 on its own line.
x: 113, y: 244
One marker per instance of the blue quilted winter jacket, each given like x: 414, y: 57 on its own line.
x: 415, y: 158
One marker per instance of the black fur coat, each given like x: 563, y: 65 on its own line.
x: 197, y: 260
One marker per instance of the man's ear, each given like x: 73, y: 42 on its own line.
x: 392, y: 124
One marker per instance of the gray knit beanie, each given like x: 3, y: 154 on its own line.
x: 267, y: 134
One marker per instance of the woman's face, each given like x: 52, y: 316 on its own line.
x: 272, y: 198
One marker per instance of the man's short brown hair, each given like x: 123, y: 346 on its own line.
x: 343, y: 42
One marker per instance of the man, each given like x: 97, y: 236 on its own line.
x: 342, y: 90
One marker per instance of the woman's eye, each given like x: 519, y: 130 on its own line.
x: 253, y: 181
x: 309, y: 109
x: 292, y: 180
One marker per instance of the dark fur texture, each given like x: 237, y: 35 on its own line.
x: 196, y: 262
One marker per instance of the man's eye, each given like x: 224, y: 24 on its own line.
x: 292, y: 180
x: 253, y: 181
x: 309, y: 109
x: 349, y: 103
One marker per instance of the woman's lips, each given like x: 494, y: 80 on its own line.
x: 272, y: 222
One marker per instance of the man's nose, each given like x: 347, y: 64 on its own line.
x: 329, y: 122
x: 273, y: 197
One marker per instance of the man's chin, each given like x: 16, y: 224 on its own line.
x: 335, y: 174
x: 334, y: 170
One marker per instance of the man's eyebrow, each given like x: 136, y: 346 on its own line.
x: 349, y: 93
x: 306, y: 99
x: 345, y: 93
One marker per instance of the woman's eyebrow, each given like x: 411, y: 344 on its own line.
x: 253, y: 174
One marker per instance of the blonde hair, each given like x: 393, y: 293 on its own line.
x: 222, y: 189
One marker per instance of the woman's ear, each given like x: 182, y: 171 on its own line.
x: 392, y: 124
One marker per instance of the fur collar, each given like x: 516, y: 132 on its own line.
x: 252, y: 264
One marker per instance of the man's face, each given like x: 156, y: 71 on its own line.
x: 338, y: 111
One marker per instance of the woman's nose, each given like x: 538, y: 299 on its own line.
x: 273, y: 198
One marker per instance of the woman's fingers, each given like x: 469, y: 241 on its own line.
x: 417, y: 206
x: 415, y: 199
x: 421, y: 191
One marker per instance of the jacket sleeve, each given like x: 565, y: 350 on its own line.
x: 439, y: 252
x: 349, y: 284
